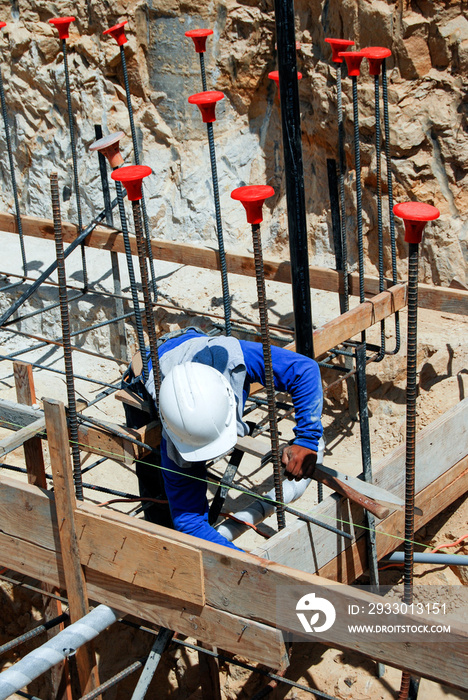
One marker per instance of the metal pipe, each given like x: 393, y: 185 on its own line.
x: 430, y: 558
x: 56, y: 649
x: 292, y: 149
x: 27, y: 636
x: 67, y: 354
x: 161, y: 642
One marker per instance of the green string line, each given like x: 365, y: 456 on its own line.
x: 100, y: 450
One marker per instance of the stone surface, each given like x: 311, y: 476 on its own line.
x: 427, y: 84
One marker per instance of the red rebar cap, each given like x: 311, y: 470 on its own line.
x: 353, y: 61
x: 415, y: 215
x: 199, y: 38
x: 62, y: 24
x: 207, y: 103
x: 375, y: 55
x: 2, y: 24
x: 338, y: 45
x: 252, y: 197
x: 131, y: 177
x: 109, y: 147
x: 118, y: 32
x: 274, y: 75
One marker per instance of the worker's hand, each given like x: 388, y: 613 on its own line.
x: 299, y: 462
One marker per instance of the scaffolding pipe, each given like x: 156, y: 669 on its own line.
x: 55, y: 650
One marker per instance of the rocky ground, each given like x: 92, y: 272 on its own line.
x: 443, y: 382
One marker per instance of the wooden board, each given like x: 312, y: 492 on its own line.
x: 120, y: 549
x: 256, y: 590
x: 258, y: 642
x: 439, y: 446
x: 430, y: 297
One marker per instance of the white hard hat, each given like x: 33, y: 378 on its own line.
x: 198, y: 411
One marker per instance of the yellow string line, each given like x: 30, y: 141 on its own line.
x: 99, y: 450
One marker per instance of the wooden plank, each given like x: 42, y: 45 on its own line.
x: 432, y: 500
x: 258, y: 642
x: 439, y: 446
x: 60, y: 461
x: 121, y: 550
x: 91, y: 439
x: 25, y: 393
x: 251, y: 588
x: 430, y: 297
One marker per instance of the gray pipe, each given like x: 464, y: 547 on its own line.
x: 55, y: 650
x: 431, y: 558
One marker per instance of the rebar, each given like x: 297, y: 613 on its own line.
x: 67, y: 354
x: 219, y: 230
x: 74, y: 159
x: 411, y: 394
x: 202, y: 70
x: 153, y: 343
x: 136, y: 154
x: 59, y: 371
x: 341, y: 176
x: 97, y: 692
x: 13, y: 177
x: 27, y: 636
x: 391, y: 216
x: 381, y: 354
x: 131, y: 277
x: 357, y: 167
x: 269, y: 377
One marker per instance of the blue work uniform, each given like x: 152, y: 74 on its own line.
x: 293, y: 373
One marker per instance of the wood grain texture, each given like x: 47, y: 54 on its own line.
x: 65, y: 504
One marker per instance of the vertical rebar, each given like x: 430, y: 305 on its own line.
x: 390, y: 199
x: 202, y: 70
x: 411, y: 394
x: 341, y: 176
x: 153, y: 344
x: 136, y: 154
x: 357, y: 167
x: 74, y: 160
x: 381, y: 353
x: 13, y: 176
x: 269, y: 377
x: 67, y: 353
x: 219, y: 230
x: 131, y: 277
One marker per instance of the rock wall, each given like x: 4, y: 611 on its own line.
x: 429, y: 141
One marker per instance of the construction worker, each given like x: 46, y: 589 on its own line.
x: 205, y: 383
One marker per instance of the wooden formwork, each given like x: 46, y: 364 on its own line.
x: 222, y: 597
